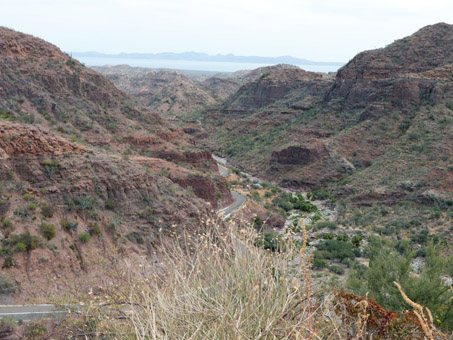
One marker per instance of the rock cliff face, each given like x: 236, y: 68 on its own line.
x: 406, y: 73
x: 295, y: 155
x: 273, y: 85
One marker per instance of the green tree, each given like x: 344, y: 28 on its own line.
x: 390, y: 262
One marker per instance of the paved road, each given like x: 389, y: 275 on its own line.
x: 223, y: 170
x: 29, y: 312
x: 239, y: 200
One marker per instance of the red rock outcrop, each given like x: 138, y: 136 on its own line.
x: 18, y: 140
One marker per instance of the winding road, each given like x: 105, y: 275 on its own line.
x: 239, y: 200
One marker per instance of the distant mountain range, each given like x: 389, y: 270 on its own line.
x: 195, y: 56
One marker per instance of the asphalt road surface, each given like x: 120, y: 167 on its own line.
x: 29, y: 312
x: 239, y: 200
x: 223, y: 171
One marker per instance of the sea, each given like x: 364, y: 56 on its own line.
x: 209, y: 66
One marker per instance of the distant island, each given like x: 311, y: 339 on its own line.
x: 196, y: 56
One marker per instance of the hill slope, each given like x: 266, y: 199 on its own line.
x: 380, y: 132
x: 87, y: 176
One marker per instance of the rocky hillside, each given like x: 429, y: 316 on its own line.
x: 42, y: 86
x: 166, y: 92
x: 380, y: 132
x: 87, y: 175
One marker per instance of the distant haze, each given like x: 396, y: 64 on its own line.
x: 319, y: 30
x: 200, y: 61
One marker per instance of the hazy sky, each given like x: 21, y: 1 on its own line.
x: 322, y: 30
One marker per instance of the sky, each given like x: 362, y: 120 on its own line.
x: 319, y: 30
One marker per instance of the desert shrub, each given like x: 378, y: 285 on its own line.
x: 327, y: 236
x: 51, y: 167
x: 47, y: 211
x: 8, y: 261
x: 84, y: 237
x: 375, y: 322
x: 257, y: 223
x: 84, y: 202
x: 404, y: 126
x: 5, y: 223
x: 7, y: 326
x: 270, y: 239
x: 336, y: 269
x: 320, y: 194
x: 343, y: 237
x: 68, y: 226
x: 31, y: 206
x: 31, y: 242
x: 35, y: 331
x: 338, y: 250
x: 6, y: 286
x: 135, y: 237
x: 47, y: 230
x: 319, y: 263
x: 19, y: 247
x: 30, y: 198
x: 94, y: 229
x: 288, y: 201
x: 109, y: 204
x: 256, y: 196
x: 356, y: 240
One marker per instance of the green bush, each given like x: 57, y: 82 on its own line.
x: 84, y: 202
x: 388, y: 264
x: 356, y: 240
x: 257, y: 223
x: 329, y: 225
x: 47, y: 211
x: 31, y: 207
x: 47, y: 230
x: 338, y: 250
x: 51, y: 167
x: 31, y: 242
x: 68, y: 225
x: 337, y: 270
x: 6, y: 286
x: 5, y: 223
x: 7, y: 325
x: 135, y: 237
x: 84, y: 237
x: 344, y: 237
x: 20, y: 247
x: 109, y: 204
x: 35, y: 332
x: 318, y: 263
x: 94, y: 229
x: 271, y: 239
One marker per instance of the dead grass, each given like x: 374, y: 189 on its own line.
x: 218, y: 285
